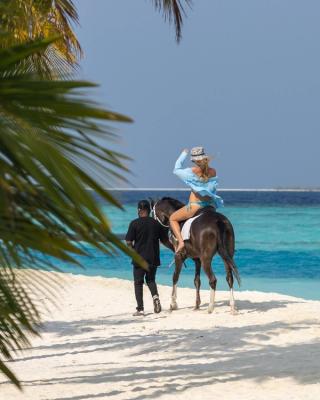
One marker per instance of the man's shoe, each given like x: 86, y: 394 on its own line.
x: 156, y: 304
x: 138, y: 313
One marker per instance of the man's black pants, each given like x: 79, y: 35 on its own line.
x: 139, y: 274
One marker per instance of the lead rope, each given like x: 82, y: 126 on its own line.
x: 173, y: 261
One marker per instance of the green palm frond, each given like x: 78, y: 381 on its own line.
x: 173, y: 10
x: 25, y: 20
x: 49, y: 158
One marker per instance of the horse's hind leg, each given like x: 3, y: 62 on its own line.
x: 229, y: 279
x: 212, y: 282
x: 175, y: 278
x: 197, y: 283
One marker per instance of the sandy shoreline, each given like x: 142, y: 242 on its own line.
x: 92, y: 348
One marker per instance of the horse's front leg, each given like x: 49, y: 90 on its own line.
x: 175, y: 278
x: 212, y: 282
x: 197, y: 282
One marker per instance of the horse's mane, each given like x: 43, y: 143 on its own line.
x: 174, y: 202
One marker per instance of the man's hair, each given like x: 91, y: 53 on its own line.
x: 144, y: 205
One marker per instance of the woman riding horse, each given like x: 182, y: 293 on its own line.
x: 202, y: 180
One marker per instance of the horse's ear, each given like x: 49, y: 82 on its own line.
x: 152, y: 202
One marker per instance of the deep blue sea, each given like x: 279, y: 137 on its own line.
x: 277, y: 242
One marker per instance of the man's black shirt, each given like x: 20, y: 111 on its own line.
x: 145, y: 232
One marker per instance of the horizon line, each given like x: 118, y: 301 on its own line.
x: 219, y: 190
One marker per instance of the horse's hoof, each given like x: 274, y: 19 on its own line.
x: 210, y: 310
x: 234, y: 311
x: 173, y: 306
x: 197, y: 307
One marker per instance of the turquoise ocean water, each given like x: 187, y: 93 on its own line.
x: 277, y: 242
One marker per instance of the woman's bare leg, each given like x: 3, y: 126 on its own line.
x: 175, y: 226
x: 181, y: 215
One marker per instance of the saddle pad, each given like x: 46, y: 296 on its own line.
x: 185, y: 231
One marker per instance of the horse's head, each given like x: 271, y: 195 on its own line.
x: 163, y: 208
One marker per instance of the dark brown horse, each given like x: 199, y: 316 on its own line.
x: 210, y: 233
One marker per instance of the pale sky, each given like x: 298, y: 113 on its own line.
x: 244, y: 82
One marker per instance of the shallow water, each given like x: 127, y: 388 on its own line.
x: 277, y: 242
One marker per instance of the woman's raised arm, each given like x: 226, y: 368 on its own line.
x: 178, y: 167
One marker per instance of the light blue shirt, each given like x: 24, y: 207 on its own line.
x: 196, y: 184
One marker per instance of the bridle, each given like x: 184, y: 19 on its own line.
x: 154, y: 214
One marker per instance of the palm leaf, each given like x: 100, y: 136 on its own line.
x: 25, y: 20
x: 173, y: 10
x: 48, y: 159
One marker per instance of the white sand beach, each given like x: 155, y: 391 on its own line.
x: 92, y: 348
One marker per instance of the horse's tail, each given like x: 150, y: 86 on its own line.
x: 226, y: 230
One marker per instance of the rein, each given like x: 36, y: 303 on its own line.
x: 156, y: 217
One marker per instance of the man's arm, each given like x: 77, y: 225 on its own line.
x: 131, y: 235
